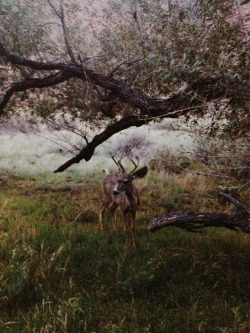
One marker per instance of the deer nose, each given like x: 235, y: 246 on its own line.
x: 115, y: 192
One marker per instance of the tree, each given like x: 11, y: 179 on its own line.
x: 147, y: 62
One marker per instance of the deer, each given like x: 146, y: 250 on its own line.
x: 120, y: 192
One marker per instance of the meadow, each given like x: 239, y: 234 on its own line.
x: 59, y: 273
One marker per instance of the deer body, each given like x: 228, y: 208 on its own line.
x: 119, y: 191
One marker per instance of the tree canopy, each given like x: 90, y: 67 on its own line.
x: 126, y: 64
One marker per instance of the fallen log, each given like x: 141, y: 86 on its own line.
x: 198, y: 221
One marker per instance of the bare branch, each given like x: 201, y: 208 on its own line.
x: 87, y: 152
x: 25, y: 72
x: 238, y: 205
x: 61, y: 16
x: 235, y: 188
x: 212, y: 175
x: 29, y: 83
x: 135, y: 16
x: 54, y: 9
x: 243, y: 20
x: 65, y: 34
x: 57, y: 143
x: 125, y: 62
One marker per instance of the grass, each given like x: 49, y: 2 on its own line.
x: 60, y: 274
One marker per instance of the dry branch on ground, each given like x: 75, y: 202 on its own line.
x: 198, y: 221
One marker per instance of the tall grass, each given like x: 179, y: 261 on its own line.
x: 60, y: 274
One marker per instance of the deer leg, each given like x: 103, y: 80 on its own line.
x: 113, y: 215
x: 104, y: 206
x: 133, y: 227
x: 126, y: 226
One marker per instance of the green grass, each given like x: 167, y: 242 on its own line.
x: 58, y: 273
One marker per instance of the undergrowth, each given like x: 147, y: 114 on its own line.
x: 60, y: 274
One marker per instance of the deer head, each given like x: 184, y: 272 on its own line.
x: 124, y: 180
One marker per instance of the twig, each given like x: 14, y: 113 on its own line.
x: 212, y: 175
x: 135, y: 16
x: 60, y: 145
x: 234, y: 188
x: 172, y: 113
x: 65, y: 34
x: 64, y: 28
x: 238, y: 205
x: 242, y: 20
x: 54, y: 9
x: 125, y: 62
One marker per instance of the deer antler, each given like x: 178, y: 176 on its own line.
x: 119, y: 164
x: 135, y: 165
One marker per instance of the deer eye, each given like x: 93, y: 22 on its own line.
x: 125, y: 181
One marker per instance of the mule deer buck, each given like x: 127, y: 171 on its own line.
x: 119, y: 191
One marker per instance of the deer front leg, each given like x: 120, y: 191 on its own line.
x: 113, y: 215
x: 126, y: 226
x: 133, y: 227
x: 104, y: 206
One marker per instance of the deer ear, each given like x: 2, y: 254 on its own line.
x: 140, y: 173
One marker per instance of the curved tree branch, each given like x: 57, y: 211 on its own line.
x: 29, y: 83
x: 87, y: 152
x: 180, y: 103
x: 207, y: 88
x: 125, y: 93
